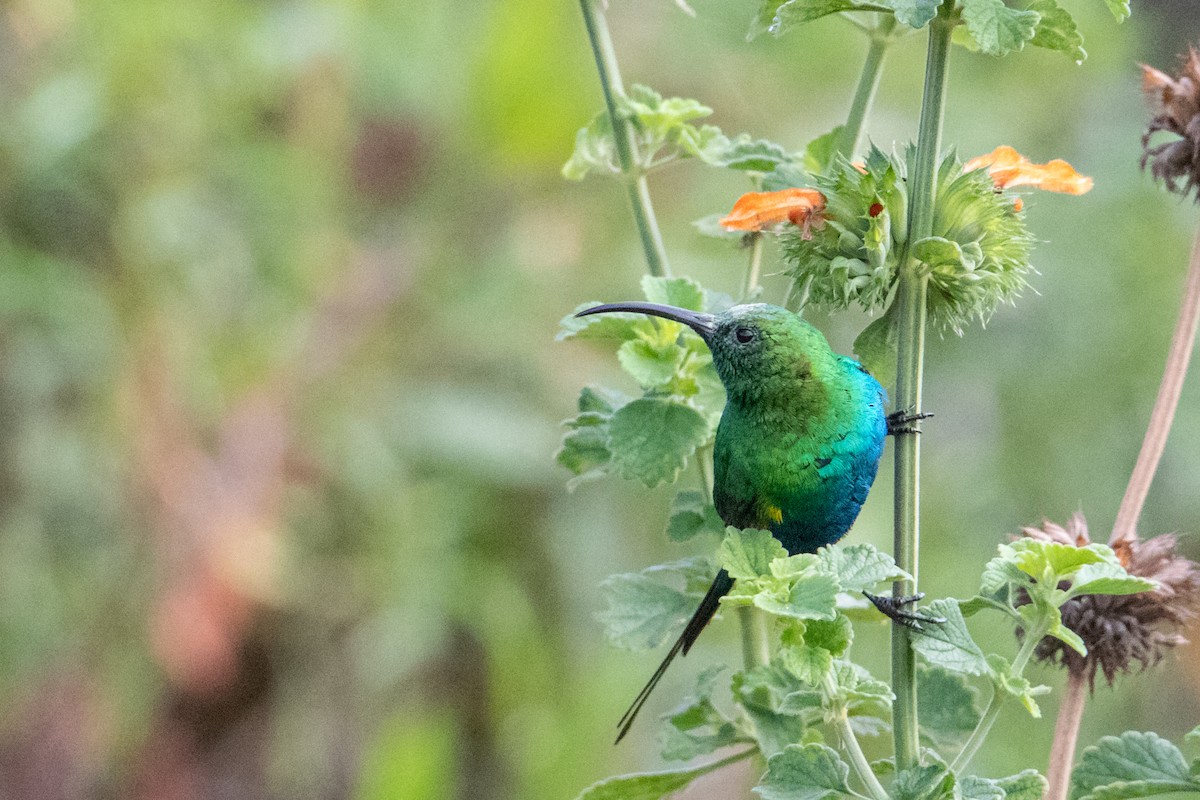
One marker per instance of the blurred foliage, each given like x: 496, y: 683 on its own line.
x: 279, y: 515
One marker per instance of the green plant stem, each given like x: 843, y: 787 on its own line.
x: 626, y: 139
x: 868, y: 83
x: 984, y: 726
x: 911, y: 296
x: 754, y: 269
x: 858, y: 759
x: 756, y: 639
x: 1155, y: 441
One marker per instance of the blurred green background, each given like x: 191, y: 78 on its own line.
x: 279, y: 284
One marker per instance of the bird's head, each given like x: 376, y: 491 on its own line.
x: 756, y: 347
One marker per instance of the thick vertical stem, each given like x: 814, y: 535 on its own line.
x: 1182, y: 343
x: 625, y: 138
x: 756, y: 639
x: 911, y: 297
x: 1066, y: 735
x: 868, y: 83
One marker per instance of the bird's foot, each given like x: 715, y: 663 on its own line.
x: 894, y: 609
x: 902, y: 421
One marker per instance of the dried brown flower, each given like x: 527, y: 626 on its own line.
x: 1123, y: 632
x: 1176, y: 106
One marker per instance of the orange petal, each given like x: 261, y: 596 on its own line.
x: 754, y: 211
x: 1008, y: 168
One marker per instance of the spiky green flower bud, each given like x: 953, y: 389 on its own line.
x: 977, y: 258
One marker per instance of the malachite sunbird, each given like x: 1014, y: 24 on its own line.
x: 797, y: 447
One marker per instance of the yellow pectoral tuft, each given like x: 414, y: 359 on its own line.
x: 773, y: 513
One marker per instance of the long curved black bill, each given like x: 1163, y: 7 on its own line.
x: 703, y: 324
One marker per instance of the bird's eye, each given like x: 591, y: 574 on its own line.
x: 744, y: 335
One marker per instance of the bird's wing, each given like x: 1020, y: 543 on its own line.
x: 737, y: 500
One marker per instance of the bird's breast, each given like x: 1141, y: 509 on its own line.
x: 803, y: 478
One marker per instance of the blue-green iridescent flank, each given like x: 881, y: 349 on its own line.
x: 798, y: 444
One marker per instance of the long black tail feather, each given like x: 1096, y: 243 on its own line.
x: 708, y: 607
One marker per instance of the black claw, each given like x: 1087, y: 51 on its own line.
x: 893, y: 608
x: 898, y: 422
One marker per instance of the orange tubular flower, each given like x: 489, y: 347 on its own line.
x: 1008, y: 168
x: 754, y: 211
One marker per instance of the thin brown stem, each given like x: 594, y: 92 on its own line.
x: 1066, y: 735
x: 1182, y: 344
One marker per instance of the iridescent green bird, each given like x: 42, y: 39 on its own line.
x: 797, y: 447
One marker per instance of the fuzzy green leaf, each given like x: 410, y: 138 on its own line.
x: 744, y: 153
x: 1028, y: 784
x: 975, y: 788
x: 1056, y: 30
x: 595, y: 151
x: 812, y: 596
x: 862, y: 693
x: 764, y: 18
x: 1005, y: 680
x: 790, y: 567
x: 997, y: 29
x: 649, y: 365
x: 697, y: 727
x: 947, y: 705
x: 979, y: 603
x: 1131, y: 765
x: 1050, y: 561
x: 584, y: 449
x: 749, y: 553
x: 1119, y: 9
x: 785, y: 16
x: 766, y: 686
x: 598, y: 327
x: 859, y: 566
x: 706, y: 143
x: 1068, y: 637
x: 663, y: 130
x: 600, y: 400
x: 692, y: 515
x: 645, y: 785
x: 1106, y: 578
x: 949, y: 645
x: 818, y: 154
x: 927, y: 782
x: 809, y: 664
x: 876, y: 347
x: 761, y: 692
x: 805, y: 772
x: 1192, y: 737
x: 645, y: 608
x: 1000, y: 573
x: 659, y: 116
x: 913, y: 13
x: 834, y: 635
x: 651, y: 438
x: 681, y: 292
